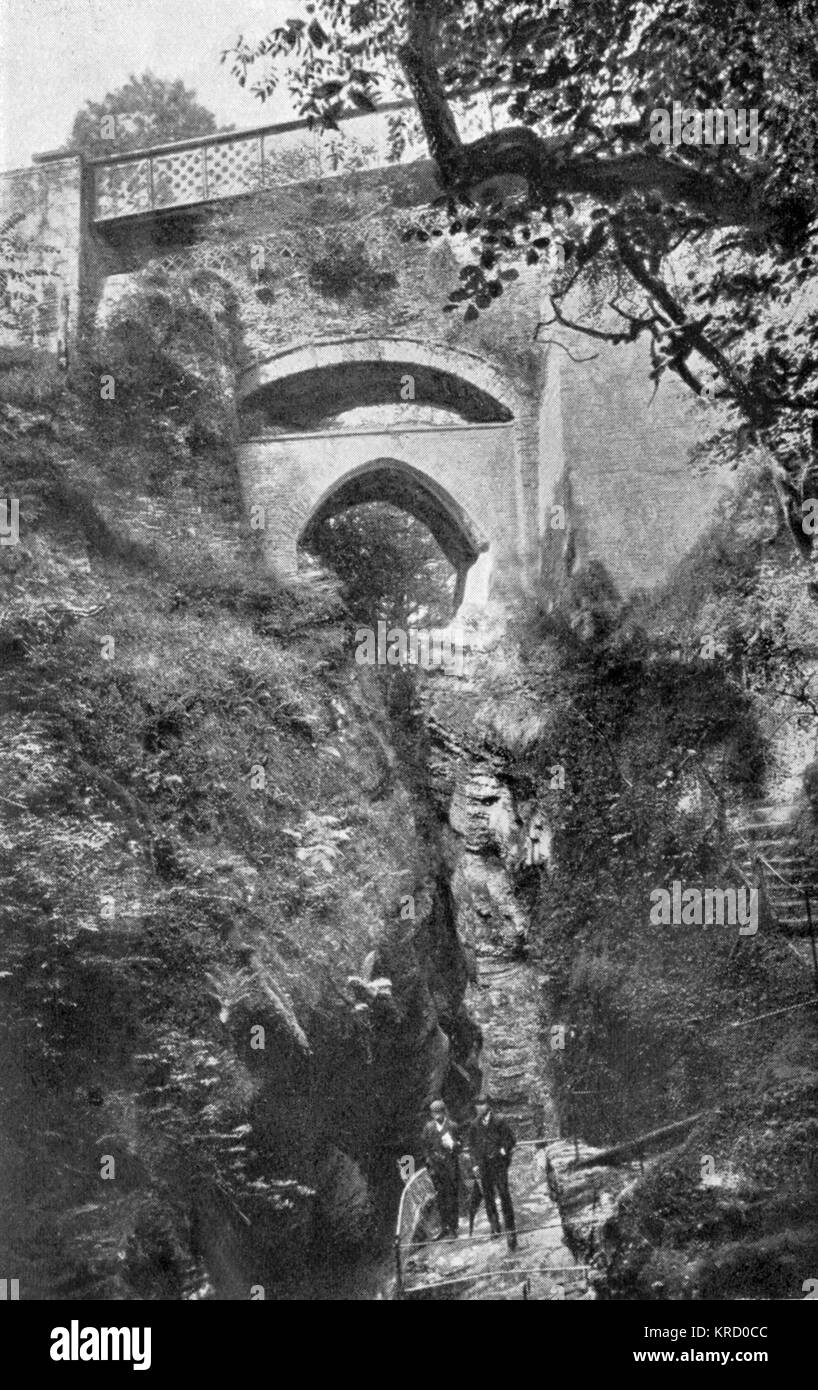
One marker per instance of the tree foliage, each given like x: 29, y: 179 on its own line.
x: 147, y: 110
x: 170, y: 346
x: 390, y: 567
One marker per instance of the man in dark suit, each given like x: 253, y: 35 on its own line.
x: 491, y: 1141
x: 441, y: 1148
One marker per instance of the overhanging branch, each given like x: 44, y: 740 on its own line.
x: 551, y: 166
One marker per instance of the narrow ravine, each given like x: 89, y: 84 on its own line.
x: 478, y: 934
x: 505, y: 999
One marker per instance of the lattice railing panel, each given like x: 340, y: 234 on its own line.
x: 222, y: 168
x: 179, y: 178
x: 233, y: 167
x: 122, y: 189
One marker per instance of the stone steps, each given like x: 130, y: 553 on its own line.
x: 505, y: 1002
x: 766, y: 831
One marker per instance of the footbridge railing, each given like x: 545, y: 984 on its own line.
x: 187, y: 172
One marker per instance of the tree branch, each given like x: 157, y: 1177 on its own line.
x: 752, y: 403
x: 549, y: 165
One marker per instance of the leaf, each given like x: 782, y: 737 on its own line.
x: 361, y: 100
x: 315, y: 33
x: 470, y: 315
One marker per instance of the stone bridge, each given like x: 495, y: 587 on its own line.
x: 462, y: 477
x: 517, y: 457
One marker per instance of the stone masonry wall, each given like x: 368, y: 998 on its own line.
x: 46, y: 203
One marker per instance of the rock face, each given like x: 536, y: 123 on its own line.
x: 482, y: 812
x: 586, y: 1196
x: 486, y: 839
x: 489, y: 917
x: 344, y: 1203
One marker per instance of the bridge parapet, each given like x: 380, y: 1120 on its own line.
x: 226, y: 165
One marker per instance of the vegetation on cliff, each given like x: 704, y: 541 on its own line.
x: 206, y: 974
x: 645, y: 731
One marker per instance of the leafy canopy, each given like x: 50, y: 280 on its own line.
x: 147, y: 110
x: 390, y: 567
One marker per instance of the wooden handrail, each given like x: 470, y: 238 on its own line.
x: 634, y: 1147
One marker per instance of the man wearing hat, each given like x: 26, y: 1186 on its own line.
x: 441, y: 1146
x: 491, y: 1141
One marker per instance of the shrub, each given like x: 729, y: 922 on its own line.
x: 170, y: 346
x: 30, y: 378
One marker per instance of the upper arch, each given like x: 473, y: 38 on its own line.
x: 298, y: 387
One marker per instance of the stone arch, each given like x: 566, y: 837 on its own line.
x: 403, y: 485
x: 463, y: 471
x: 361, y: 371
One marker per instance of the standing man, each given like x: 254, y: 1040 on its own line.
x: 538, y: 843
x: 491, y: 1141
x: 441, y: 1147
